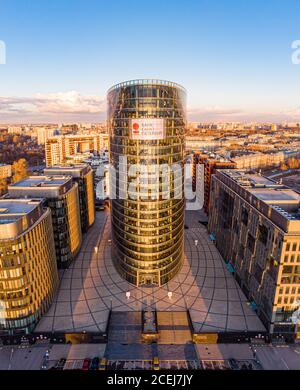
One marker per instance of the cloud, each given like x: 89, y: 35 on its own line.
x: 60, y: 105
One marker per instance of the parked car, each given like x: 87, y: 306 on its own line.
x: 95, y: 363
x: 60, y: 364
x: 86, y: 364
x: 103, y: 364
x: 156, y: 366
x: 233, y: 364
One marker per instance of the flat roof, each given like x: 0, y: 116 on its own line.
x: 270, y: 195
x: 16, y: 208
x: 18, y: 215
x: 42, y: 181
x: 71, y: 169
x: 282, y: 199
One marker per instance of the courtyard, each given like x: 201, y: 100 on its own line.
x: 91, y: 287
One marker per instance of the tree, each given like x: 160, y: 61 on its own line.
x: 19, y: 169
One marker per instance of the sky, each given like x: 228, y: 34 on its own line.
x: 234, y: 57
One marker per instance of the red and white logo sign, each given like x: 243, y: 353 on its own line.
x: 147, y: 129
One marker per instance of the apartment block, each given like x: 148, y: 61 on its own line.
x: 5, y: 171
x: 63, y: 148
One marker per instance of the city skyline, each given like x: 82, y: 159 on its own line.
x: 62, y: 57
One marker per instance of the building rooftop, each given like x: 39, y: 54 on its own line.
x: 74, y: 170
x: 17, y: 215
x: 146, y: 82
x: 41, y: 186
x: 278, y: 202
x: 42, y: 181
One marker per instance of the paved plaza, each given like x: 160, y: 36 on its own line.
x: 91, y: 287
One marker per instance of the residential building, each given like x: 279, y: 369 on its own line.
x: 63, y: 148
x: 5, y: 171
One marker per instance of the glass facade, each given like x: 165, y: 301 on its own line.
x: 66, y: 226
x: 28, y: 274
x: 147, y: 232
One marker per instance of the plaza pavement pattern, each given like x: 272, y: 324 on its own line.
x: 92, y: 286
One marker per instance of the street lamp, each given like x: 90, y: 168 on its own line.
x: 196, y: 242
x: 170, y: 294
x: 128, y: 295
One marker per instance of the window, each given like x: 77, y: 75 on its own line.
x: 263, y: 234
x: 245, y: 216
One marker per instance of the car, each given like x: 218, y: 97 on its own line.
x: 86, y: 364
x: 233, y: 364
x: 60, y: 364
x: 94, y: 363
x: 186, y: 227
x: 103, y: 364
x: 156, y: 366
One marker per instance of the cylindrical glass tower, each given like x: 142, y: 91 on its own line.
x: 146, y: 120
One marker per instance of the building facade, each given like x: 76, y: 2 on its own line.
x: 61, y: 196
x: 83, y: 175
x: 210, y: 164
x: 28, y: 270
x: 256, y: 225
x: 5, y: 171
x: 147, y: 120
x: 64, y: 148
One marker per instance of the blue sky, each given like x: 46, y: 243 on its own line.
x: 233, y: 56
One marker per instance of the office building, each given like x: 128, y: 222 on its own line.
x: 61, y: 195
x: 83, y: 175
x: 28, y: 270
x: 256, y: 225
x: 146, y: 120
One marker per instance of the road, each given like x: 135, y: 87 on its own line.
x: 279, y: 357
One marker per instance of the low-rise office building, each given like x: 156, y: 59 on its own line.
x: 28, y: 270
x: 83, y: 175
x: 256, y: 225
x: 61, y: 195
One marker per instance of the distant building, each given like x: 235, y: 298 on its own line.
x: 256, y: 225
x: 28, y: 270
x: 43, y: 134
x: 82, y: 174
x: 61, y: 195
x: 63, y: 148
x: 104, y: 141
x: 259, y: 160
x: 5, y: 171
x: 210, y: 164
